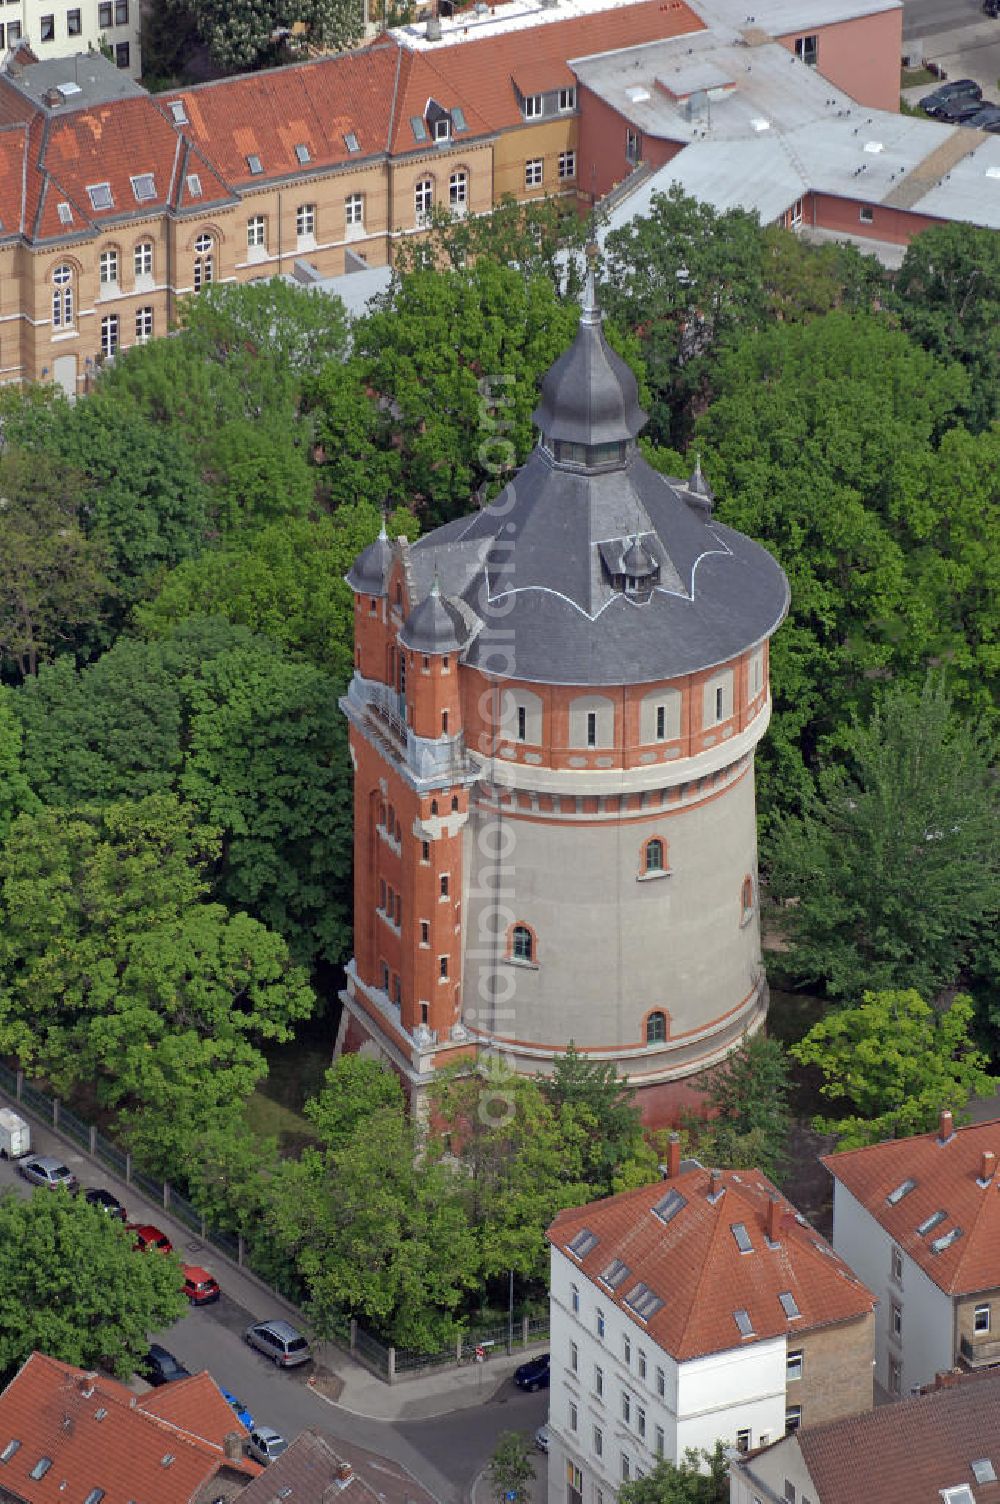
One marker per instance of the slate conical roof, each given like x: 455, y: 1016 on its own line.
x: 434, y: 626
x: 590, y: 395
x: 369, y: 573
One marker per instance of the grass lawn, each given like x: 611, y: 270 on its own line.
x: 295, y: 1073
x: 910, y: 77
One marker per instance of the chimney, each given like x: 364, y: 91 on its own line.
x: 232, y: 1446
x: 715, y: 1186
x: 947, y: 1128
x: 433, y: 28
x: 345, y: 1473
x: 673, y: 1156
x: 947, y: 1378
x: 775, y: 1219
x: 987, y: 1169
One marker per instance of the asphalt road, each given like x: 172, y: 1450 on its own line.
x: 929, y: 18
x: 445, y: 1453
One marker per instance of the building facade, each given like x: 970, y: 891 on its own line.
x: 57, y: 28
x: 919, y: 1220
x: 696, y: 1310
x: 553, y: 719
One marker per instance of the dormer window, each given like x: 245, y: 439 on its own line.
x: 439, y: 122
x: 566, y: 452
x: 442, y: 130
x: 533, y: 105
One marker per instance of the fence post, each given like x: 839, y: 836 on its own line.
x: 524, y: 1331
x: 458, y: 1348
x: 204, y: 1228
x: 55, y: 1112
x: 93, y: 1141
x: 354, y: 1333
x: 391, y: 1374
x: 128, y: 1168
x: 19, y: 1086
x: 166, y: 1195
x: 239, y: 1249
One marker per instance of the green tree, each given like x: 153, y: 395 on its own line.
x: 947, y: 292
x: 701, y: 1478
x: 615, y: 1153
x: 892, y: 1063
x: 511, y: 1467
x: 16, y: 794
x: 751, y: 1120
x: 892, y: 869
x: 54, y: 590
x: 72, y: 1286
x: 543, y: 238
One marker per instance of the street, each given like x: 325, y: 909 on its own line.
x: 928, y: 18
x: 445, y: 1452
x: 957, y: 37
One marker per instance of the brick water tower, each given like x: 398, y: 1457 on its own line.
x: 553, y: 717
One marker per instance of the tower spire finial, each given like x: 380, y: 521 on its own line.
x: 591, y: 311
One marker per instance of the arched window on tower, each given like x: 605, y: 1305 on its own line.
x: 746, y: 900
x: 522, y: 943
x: 654, y: 855
x: 656, y: 1028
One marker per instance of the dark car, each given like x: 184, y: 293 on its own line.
x: 105, y: 1202
x: 533, y: 1375
x: 959, y: 111
x: 991, y: 7
x: 959, y: 88
x: 988, y: 118
x: 161, y: 1367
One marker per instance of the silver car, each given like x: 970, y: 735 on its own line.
x: 279, y: 1341
x: 45, y: 1169
x: 265, y: 1444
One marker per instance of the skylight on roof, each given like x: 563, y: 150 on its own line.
x: 643, y: 1301
x: 95, y: 1496
x: 743, y: 1322
x: 458, y: 120
x: 789, y: 1305
x: 637, y: 94
x: 903, y: 1189
x: 302, y: 154
x: 65, y: 213
x: 940, y: 1244
x: 739, y: 1232
x: 983, y: 1470
x: 351, y: 142
x: 40, y: 1468
x: 9, y: 1450
x: 144, y: 187
x: 193, y: 184
x: 614, y: 1274
x: 418, y: 128
x: 100, y: 196
x: 100, y: 1413
x: 961, y: 1495
x: 177, y: 110
x: 669, y: 1205
x: 583, y: 1243
x: 255, y: 165
x: 929, y: 1223
x: 166, y: 1459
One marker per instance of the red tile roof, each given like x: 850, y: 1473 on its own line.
x: 692, y: 1261
x: 946, y: 1178
x: 309, y: 1470
x: 97, y: 1435
x: 195, y: 1406
x: 909, y: 1452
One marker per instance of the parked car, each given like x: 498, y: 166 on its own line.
x: 960, y: 110
x: 45, y: 1169
x: 959, y: 88
x: 534, y: 1374
x: 265, y: 1444
x: 148, y: 1237
x: 161, y: 1367
x: 15, y: 1135
x: 279, y: 1341
x: 103, y: 1199
x: 987, y: 118
x: 542, y: 1438
x: 991, y: 7
x: 199, y: 1286
x: 240, y: 1410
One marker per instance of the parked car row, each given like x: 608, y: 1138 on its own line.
x: 961, y: 102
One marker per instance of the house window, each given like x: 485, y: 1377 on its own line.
x: 442, y: 129
x: 572, y: 1416
x: 532, y: 106
x: 109, y: 335
x: 522, y: 723
x: 567, y: 98
x: 896, y: 1320
x: 522, y: 943
x: 143, y: 325
x: 574, y: 1299
x: 660, y: 1442
x: 866, y: 214
x: 642, y: 1364
x: 720, y: 703
x: 626, y: 1468
x: 567, y: 164
x: 600, y: 1324
x: 981, y: 1320
x: 640, y: 1421
x: 795, y: 215
x: 62, y: 297
x: 425, y: 851
x: 142, y: 259
x: 654, y: 856
x: 895, y: 1376
x: 897, y: 1264
x: 626, y: 1407
x: 122, y: 55
x: 425, y: 932
x: 591, y: 728
x: 121, y: 12
x: 656, y: 1028
x: 204, y: 262
x: 574, y: 1484
x: 743, y: 1441
x: 746, y: 910
x: 458, y: 190
x: 256, y: 232
x: 661, y: 1383
x: 661, y: 723
x: 354, y: 209
x: 73, y: 23
x: 423, y: 199
x: 807, y: 48
x: 443, y: 966
x: 13, y: 32
x: 574, y: 1356
x: 444, y: 885
x: 627, y: 1350
x: 533, y: 173
x: 47, y: 28
x: 444, y: 729
x: 789, y: 1492
x: 599, y: 1382
x: 793, y: 1367
x: 631, y: 146
x: 385, y: 979
x: 793, y: 1417
x: 109, y: 269
x: 598, y: 1442
x: 305, y: 220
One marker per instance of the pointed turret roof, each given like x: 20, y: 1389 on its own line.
x: 435, y: 626
x: 369, y: 573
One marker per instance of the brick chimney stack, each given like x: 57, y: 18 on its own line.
x: 775, y: 1219
x: 947, y: 1126
x: 673, y: 1156
x: 988, y: 1167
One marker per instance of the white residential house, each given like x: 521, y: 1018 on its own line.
x: 918, y: 1219
x: 698, y: 1309
x: 63, y: 28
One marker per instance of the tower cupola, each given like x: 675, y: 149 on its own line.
x: 369, y: 574
x: 435, y: 626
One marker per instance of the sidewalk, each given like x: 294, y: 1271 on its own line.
x: 360, y: 1393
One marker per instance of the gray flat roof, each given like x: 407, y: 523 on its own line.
x: 89, y: 76
x: 780, y: 17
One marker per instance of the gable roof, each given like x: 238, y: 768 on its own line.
x: 194, y: 1405
x: 97, y: 1435
x: 705, y: 1255
x: 313, y: 1471
x: 946, y: 1171
x: 914, y: 1449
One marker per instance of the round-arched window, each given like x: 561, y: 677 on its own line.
x: 655, y: 855
x: 204, y: 261
x: 62, y: 297
x: 522, y: 943
x: 656, y: 1028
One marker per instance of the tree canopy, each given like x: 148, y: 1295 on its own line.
x: 700, y: 1478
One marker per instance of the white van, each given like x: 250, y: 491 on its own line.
x: 15, y: 1135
